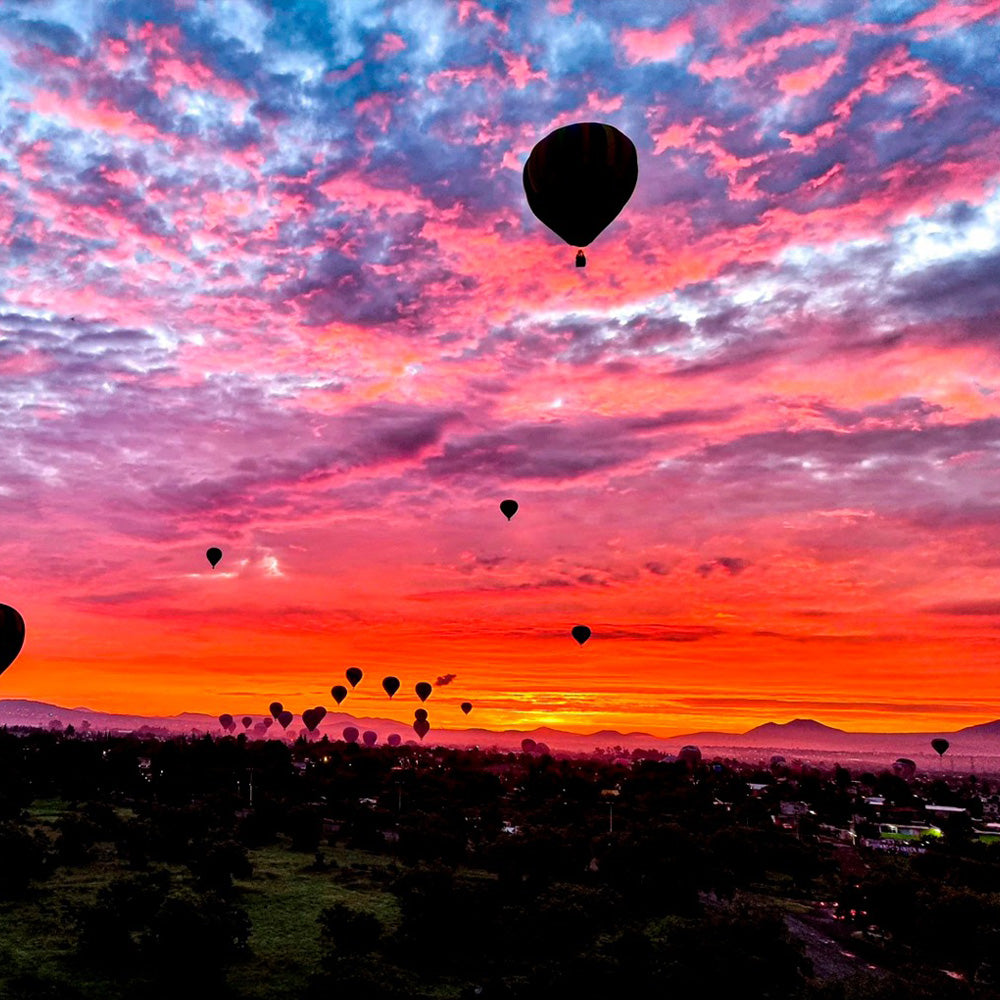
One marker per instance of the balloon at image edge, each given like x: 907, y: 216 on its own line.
x: 213, y: 555
x: 11, y: 635
x: 578, y: 178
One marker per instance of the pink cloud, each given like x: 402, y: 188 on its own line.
x: 644, y: 45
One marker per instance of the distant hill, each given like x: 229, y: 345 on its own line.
x: 804, y: 736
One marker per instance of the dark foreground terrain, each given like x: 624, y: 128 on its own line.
x: 234, y: 868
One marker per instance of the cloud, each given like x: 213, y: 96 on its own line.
x: 444, y: 680
x: 731, y: 564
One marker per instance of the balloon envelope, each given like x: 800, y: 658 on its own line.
x: 394, y: 739
x: 225, y: 720
x: 466, y: 707
x: 528, y: 744
x: 370, y: 737
x: 275, y: 708
x: 423, y: 690
x: 581, y: 633
x: 421, y: 727
x: 508, y: 508
x: 285, y: 719
x: 247, y: 721
x: 267, y: 723
x: 310, y: 719
x: 579, y: 177
x: 351, y: 734
x: 940, y: 746
x: 214, y: 555
x: 339, y: 693
x: 11, y: 635
x: 354, y: 675
x: 420, y: 713
x: 390, y: 685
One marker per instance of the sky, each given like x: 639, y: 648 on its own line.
x: 269, y: 282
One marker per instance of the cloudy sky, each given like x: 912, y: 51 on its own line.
x: 269, y: 282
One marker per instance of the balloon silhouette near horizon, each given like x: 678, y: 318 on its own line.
x: 312, y: 717
x: 394, y: 739
x: 226, y: 721
x: 420, y: 713
x: 351, y: 734
x: 581, y: 633
x: 339, y: 693
x: 369, y: 737
x: 390, y: 685
x: 423, y: 690
x: 285, y: 719
x: 940, y: 745
x: 11, y: 635
x: 578, y: 178
x: 275, y: 708
x: 466, y: 707
x: 421, y: 727
x: 214, y: 555
x: 508, y: 508
x: 247, y: 721
x: 353, y: 675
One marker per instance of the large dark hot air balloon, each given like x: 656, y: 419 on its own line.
x: 339, y: 693
x: 354, y: 675
x: 508, y: 508
x: 247, y: 721
x: 351, y: 734
x: 309, y: 718
x: 904, y: 768
x: 940, y: 746
x: 691, y: 755
x: 390, y: 685
x: 420, y: 713
x: 11, y: 635
x: 213, y: 555
x: 320, y: 712
x: 581, y: 633
x: 421, y: 727
x: 578, y: 178
x: 394, y: 739
x: 528, y: 744
x: 285, y: 719
x: 466, y: 707
x: 369, y: 737
x: 423, y: 690
x: 275, y: 708
x: 226, y: 720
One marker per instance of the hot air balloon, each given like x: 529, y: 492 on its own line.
x: 528, y: 744
x: 354, y: 675
x: 339, y: 693
x: 214, y: 555
x: 351, y: 734
x: 578, y: 178
x: 508, y: 508
x: 390, y: 685
x: 275, y: 708
x: 421, y: 727
x: 940, y: 746
x: 423, y: 690
x: 309, y: 718
x: 581, y: 633
x: 370, y: 737
x: 691, y: 755
x: 285, y: 719
x: 247, y: 721
x: 320, y: 712
x: 466, y: 707
x: 394, y: 739
x: 420, y: 713
x: 267, y: 723
x: 11, y: 635
x: 904, y: 768
x: 226, y: 720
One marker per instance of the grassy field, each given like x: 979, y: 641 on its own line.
x: 283, y: 899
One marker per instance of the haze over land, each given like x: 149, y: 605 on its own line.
x: 270, y: 284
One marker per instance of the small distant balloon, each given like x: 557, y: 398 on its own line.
x: 11, y: 635
x: 508, y: 508
x: 369, y: 737
x: 275, y: 708
x: 354, y: 675
x: 351, y: 734
x: 390, y: 685
x: 339, y: 693
x: 285, y: 719
x: 466, y: 707
x: 421, y: 727
x: 226, y: 720
x: 940, y: 746
x: 267, y: 723
x: 247, y: 721
x: 423, y: 690
x: 214, y: 555
x: 420, y: 713
x: 581, y: 633
x: 394, y: 739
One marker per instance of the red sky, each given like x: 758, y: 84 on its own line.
x: 270, y: 283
